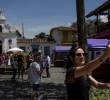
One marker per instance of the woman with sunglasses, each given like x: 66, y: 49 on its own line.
x: 78, y: 79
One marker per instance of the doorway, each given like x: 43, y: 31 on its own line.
x: 0, y: 47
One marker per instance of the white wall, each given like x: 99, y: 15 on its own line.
x: 41, y: 47
x: 6, y: 43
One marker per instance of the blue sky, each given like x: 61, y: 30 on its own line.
x: 42, y: 15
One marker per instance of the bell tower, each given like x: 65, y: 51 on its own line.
x: 2, y: 17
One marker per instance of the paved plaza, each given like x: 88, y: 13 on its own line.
x: 52, y: 88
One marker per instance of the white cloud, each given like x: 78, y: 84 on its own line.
x: 33, y: 27
x: 103, y: 18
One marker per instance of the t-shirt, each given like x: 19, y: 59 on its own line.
x: 20, y: 58
x: 48, y: 62
x: 13, y: 62
x: 34, y: 76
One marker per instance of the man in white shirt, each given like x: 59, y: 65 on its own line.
x: 47, y: 65
x: 35, y: 76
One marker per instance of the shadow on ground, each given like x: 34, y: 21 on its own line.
x: 22, y: 91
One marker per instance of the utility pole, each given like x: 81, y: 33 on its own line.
x: 82, y: 36
x: 23, y: 30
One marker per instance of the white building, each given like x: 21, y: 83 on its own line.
x: 36, y: 44
x: 8, y: 35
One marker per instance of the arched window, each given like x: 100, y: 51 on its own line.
x: 10, y: 41
x: 0, y: 28
x: 0, y: 47
x: 0, y: 42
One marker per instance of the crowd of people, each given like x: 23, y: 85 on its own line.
x: 20, y: 62
x: 78, y: 78
x: 34, y: 64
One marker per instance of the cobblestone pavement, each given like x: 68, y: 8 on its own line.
x: 52, y: 88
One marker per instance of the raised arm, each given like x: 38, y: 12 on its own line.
x: 93, y: 64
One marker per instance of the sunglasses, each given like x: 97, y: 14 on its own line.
x: 80, y: 54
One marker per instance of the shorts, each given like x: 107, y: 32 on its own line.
x: 35, y: 87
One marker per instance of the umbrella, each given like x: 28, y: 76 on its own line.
x: 15, y: 49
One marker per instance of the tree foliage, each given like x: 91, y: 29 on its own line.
x: 41, y: 35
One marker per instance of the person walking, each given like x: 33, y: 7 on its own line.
x: 21, y: 68
x: 47, y: 66
x: 13, y: 60
x: 78, y: 78
x: 35, y: 76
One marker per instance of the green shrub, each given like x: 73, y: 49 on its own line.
x: 99, y: 94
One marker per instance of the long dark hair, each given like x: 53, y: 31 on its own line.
x: 71, y: 54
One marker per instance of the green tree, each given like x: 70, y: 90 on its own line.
x: 41, y: 35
